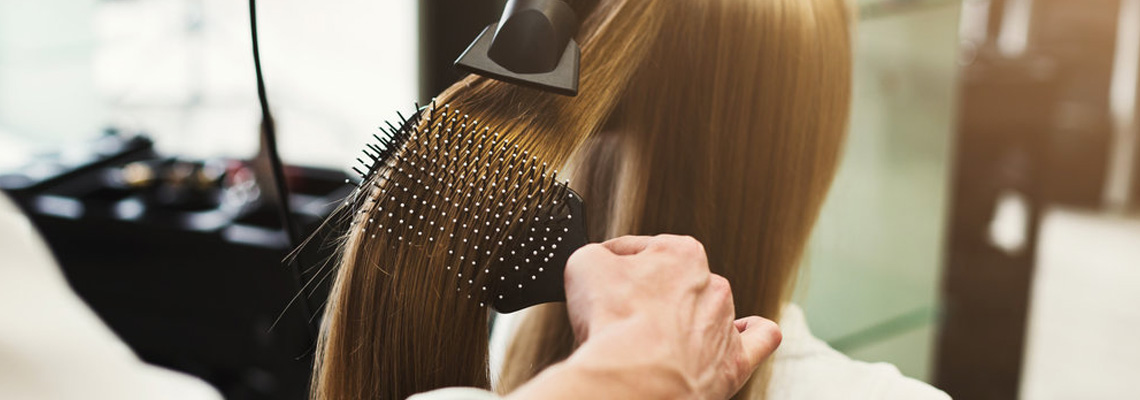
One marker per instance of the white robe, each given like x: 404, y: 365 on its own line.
x: 804, y: 368
x: 52, y: 346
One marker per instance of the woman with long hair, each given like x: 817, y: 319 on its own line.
x: 718, y: 119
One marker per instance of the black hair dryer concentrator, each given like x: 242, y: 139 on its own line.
x: 532, y: 45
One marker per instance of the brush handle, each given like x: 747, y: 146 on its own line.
x: 547, y: 286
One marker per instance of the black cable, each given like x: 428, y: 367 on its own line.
x: 269, y: 143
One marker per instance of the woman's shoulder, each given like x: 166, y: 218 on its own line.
x: 805, y: 367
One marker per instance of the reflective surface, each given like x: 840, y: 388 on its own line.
x: 871, y: 275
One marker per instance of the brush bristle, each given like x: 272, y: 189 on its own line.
x: 443, y: 181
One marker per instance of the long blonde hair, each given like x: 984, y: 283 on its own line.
x: 720, y: 119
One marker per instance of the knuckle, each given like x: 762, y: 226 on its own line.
x: 765, y: 327
x: 719, y: 284
x: 693, y: 247
x: 771, y: 327
x: 753, y: 321
x: 682, y: 244
x: 660, y: 243
x: 720, y: 287
x: 584, y: 256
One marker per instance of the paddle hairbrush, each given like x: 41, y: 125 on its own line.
x: 492, y: 214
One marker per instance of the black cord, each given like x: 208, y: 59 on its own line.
x: 269, y: 140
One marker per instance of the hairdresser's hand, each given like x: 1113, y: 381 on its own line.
x: 655, y: 323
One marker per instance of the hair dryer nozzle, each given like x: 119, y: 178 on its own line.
x: 531, y: 45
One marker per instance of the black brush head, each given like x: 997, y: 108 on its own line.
x: 538, y: 257
x: 443, y: 184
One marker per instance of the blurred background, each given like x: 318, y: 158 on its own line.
x: 982, y: 234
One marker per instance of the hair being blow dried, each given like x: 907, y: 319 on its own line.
x: 720, y: 119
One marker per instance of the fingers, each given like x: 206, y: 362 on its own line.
x: 719, y: 297
x: 584, y: 259
x: 687, y: 246
x: 759, y: 337
x: 631, y: 245
x: 628, y: 245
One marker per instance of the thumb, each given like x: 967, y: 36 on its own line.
x: 759, y: 337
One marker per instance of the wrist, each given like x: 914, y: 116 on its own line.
x: 584, y: 377
x: 616, y: 363
x: 623, y: 359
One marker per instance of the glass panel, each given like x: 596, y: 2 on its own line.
x: 872, y: 272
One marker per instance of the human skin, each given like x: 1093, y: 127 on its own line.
x: 653, y: 323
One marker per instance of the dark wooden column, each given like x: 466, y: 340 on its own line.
x: 446, y: 27
x: 987, y: 289
x: 1035, y: 124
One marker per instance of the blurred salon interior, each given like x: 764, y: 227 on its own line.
x: 982, y: 233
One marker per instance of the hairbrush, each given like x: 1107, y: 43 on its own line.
x: 442, y: 179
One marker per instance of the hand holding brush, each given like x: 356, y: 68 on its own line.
x: 653, y: 323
